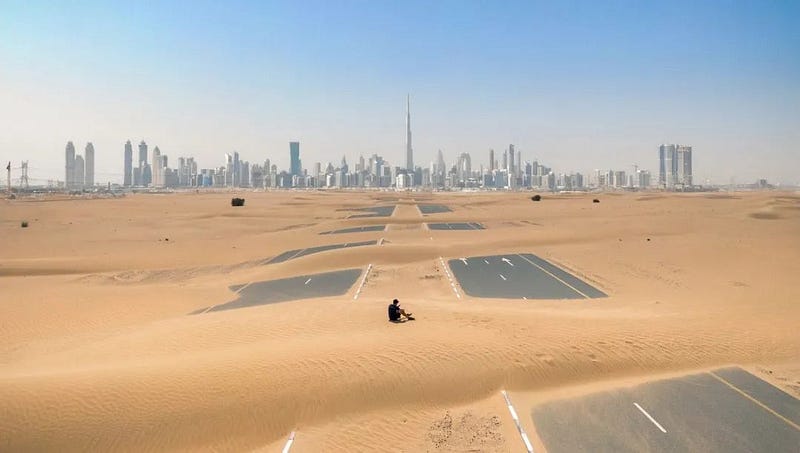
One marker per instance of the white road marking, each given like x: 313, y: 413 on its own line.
x: 524, y: 297
x: 363, y: 280
x: 306, y: 283
x: 501, y: 276
x: 508, y: 261
x: 485, y: 261
x: 550, y: 274
x: 514, y: 415
x: 449, y: 277
x: 209, y: 308
x: 651, y: 418
x: 289, y: 443
x: 464, y: 260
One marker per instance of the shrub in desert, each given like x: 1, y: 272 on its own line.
x: 24, y: 224
x: 536, y: 198
x: 595, y: 201
x: 237, y: 201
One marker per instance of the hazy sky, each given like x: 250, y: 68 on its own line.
x: 578, y: 85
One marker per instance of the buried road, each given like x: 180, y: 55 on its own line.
x: 727, y: 410
x: 297, y: 253
x: 326, y: 284
x: 456, y: 226
x: 518, y: 276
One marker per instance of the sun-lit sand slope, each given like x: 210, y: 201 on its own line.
x: 98, y: 350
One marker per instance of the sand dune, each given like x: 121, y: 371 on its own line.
x: 98, y: 352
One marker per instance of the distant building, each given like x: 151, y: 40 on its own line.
x: 409, y: 149
x: 127, y: 178
x: 78, y: 179
x: 88, y: 179
x: 69, y: 166
x: 142, y: 154
x: 295, y: 168
x: 674, y: 166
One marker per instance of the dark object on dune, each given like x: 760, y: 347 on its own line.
x: 595, y: 201
x: 536, y: 198
x: 24, y: 224
x: 237, y: 201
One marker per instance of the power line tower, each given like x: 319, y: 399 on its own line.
x: 23, y: 179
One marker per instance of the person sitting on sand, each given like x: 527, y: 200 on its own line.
x: 396, y: 313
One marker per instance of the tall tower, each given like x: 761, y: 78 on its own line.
x: 89, y: 173
x: 294, y: 158
x: 409, y: 150
x: 127, y: 180
x: 491, y: 160
x: 510, y: 167
x: 78, y: 174
x: 142, y: 155
x: 69, y: 167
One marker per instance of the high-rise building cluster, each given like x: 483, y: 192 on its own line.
x: 506, y: 171
x: 79, y: 171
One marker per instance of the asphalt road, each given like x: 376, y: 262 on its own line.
x: 361, y: 229
x: 725, y: 411
x: 518, y: 276
x: 433, y: 208
x: 292, y: 254
x: 378, y: 211
x: 303, y: 287
x: 455, y: 226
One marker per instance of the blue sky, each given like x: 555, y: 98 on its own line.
x: 578, y: 85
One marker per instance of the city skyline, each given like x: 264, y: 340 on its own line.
x: 729, y: 83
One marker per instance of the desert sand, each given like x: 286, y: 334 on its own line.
x: 98, y: 350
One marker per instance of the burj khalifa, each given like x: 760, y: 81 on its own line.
x: 409, y: 150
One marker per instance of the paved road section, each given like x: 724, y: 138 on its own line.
x: 456, y: 226
x: 378, y: 211
x: 692, y: 413
x: 433, y: 208
x: 518, y: 276
x: 292, y: 254
x: 362, y: 229
x: 304, y: 287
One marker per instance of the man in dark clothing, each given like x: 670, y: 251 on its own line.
x: 396, y: 313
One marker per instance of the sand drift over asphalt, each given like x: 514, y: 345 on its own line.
x: 97, y: 351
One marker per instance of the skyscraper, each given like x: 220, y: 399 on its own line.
x: 674, y: 166
x: 69, y: 167
x: 157, y: 169
x: 491, y: 160
x: 683, y: 164
x: 127, y: 178
x: 409, y: 150
x: 142, y: 154
x: 294, y: 158
x: 511, y: 160
x: 89, y: 173
x: 78, y: 175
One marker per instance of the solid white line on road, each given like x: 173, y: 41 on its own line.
x: 501, y: 276
x: 450, y: 277
x: 209, y: 308
x: 306, y: 283
x: 464, y: 260
x: 762, y: 405
x: 514, y: 415
x: 650, y: 417
x: 508, y: 261
x: 363, y: 280
x: 550, y: 274
x: 485, y: 261
x: 289, y: 443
